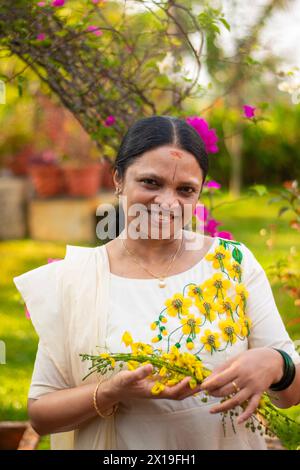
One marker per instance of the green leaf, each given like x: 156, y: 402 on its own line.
x: 225, y: 23
x: 237, y: 255
x: 282, y: 210
x: 259, y: 189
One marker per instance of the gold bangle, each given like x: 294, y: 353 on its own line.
x: 114, y: 407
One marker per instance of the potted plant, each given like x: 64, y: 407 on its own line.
x: 81, y: 167
x: 46, y: 175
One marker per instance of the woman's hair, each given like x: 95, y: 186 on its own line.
x: 156, y: 131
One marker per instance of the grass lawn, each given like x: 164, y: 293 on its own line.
x: 245, y: 219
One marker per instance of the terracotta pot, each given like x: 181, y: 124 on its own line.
x: 47, y: 180
x: 107, y: 178
x: 17, y: 435
x: 19, y: 162
x: 85, y: 181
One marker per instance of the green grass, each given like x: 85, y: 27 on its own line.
x: 244, y: 219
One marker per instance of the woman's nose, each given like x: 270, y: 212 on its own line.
x: 168, y: 201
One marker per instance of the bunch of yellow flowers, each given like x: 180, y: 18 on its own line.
x: 169, y: 368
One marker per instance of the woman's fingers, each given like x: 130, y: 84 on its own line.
x: 232, y: 402
x: 251, y: 407
x: 177, y: 391
x: 219, y: 380
x: 139, y: 374
x: 224, y: 391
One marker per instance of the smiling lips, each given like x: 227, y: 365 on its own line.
x: 162, y: 215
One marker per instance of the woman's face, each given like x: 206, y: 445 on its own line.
x: 160, y: 191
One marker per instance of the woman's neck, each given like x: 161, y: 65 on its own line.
x: 150, y: 249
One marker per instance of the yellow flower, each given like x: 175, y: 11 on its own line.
x: 193, y: 383
x: 127, y: 338
x: 225, y: 306
x: 195, y: 291
x: 163, y: 371
x: 207, y: 307
x: 153, y: 325
x: 178, y: 304
x: 235, y: 271
x: 242, y: 295
x: 245, y: 323
x: 141, y: 348
x: 112, y: 362
x: 132, y: 365
x: 190, y: 325
x: 216, y: 285
x: 229, y: 330
x: 157, y: 388
x: 104, y: 355
x: 220, y: 258
x: 210, y: 340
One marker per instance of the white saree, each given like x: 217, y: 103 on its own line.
x: 66, y: 331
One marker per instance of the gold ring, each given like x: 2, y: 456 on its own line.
x: 236, y: 388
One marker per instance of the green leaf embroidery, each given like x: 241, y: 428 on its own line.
x: 237, y: 255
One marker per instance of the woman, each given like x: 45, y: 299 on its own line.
x: 163, y: 286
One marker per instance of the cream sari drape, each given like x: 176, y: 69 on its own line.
x: 68, y: 305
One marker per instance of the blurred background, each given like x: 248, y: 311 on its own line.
x: 75, y: 74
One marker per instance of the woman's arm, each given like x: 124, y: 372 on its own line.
x: 68, y: 409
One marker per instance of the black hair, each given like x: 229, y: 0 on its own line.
x: 156, y: 131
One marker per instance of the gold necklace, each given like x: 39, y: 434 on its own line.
x: 162, y: 282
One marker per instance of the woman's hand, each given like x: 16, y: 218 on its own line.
x: 246, y: 376
x: 135, y: 384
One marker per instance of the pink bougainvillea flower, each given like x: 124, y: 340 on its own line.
x: 96, y: 2
x: 58, y: 3
x: 208, y: 136
x: 109, y: 121
x: 95, y: 30
x: 212, y: 185
x: 211, y: 226
x: 41, y: 37
x: 226, y: 235
x: 41, y: 4
x: 249, y: 111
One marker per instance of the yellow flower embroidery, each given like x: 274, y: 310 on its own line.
x: 190, y: 344
x: 195, y: 291
x: 207, y: 307
x: 190, y: 325
x: 210, y: 340
x: 229, y: 330
x: 226, y: 306
x: 235, y: 271
x: 220, y: 258
x: 217, y: 285
x: 242, y: 295
x: 245, y: 323
x: 178, y: 304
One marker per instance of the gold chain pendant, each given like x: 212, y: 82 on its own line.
x: 162, y: 283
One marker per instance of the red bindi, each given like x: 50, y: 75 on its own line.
x: 176, y: 153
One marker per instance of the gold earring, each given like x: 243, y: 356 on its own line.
x: 117, y: 191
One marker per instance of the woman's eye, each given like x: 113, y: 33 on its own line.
x: 187, y: 190
x: 149, y: 181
